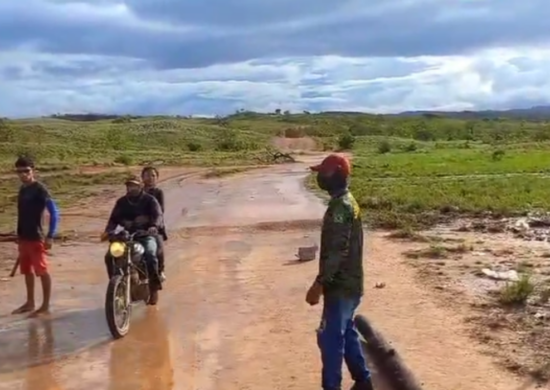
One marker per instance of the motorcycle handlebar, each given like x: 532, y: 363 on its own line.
x: 124, y: 235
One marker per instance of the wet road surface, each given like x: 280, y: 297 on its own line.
x: 232, y: 315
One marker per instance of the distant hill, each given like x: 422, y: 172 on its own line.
x: 534, y: 113
x: 90, y: 117
x: 537, y: 113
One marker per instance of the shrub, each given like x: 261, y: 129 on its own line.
x: 194, y: 146
x: 384, y: 147
x: 497, y: 155
x: 412, y: 147
x: 517, y: 293
x: 346, y: 141
x: 124, y: 159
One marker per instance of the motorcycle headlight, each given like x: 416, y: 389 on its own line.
x: 117, y: 249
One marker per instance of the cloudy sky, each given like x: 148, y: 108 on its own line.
x: 215, y: 56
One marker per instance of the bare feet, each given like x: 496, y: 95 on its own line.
x: 42, y: 311
x: 26, y: 308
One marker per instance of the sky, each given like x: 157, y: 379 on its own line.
x: 213, y: 57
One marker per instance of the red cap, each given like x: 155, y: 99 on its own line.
x: 333, y: 163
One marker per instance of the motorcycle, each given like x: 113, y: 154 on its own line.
x: 129, y: 284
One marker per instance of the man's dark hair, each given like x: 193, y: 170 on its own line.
x: 148, y: 169
x: 24, y: 162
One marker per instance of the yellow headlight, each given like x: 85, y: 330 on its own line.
x: 117, y: 249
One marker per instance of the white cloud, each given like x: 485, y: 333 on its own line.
x: 40, y: 84
x: 192, y: 57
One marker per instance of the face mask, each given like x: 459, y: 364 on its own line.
x: 333, y: 183
x: 323, y: 182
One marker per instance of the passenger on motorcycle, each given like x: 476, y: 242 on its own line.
x: 150, y: 175
x: 135, y: 211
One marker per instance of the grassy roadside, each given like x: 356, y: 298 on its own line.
x: 68, y: 190
x: 65, y: 150
x: 408, y: 172
x: 424, y: 187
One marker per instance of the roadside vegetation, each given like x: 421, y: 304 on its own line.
x: 417, y: 172
x: 433, y: 185
x: 78, y: 156
x: 409, y: 172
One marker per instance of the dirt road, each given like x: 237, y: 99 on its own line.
x: 232, y: 316
x: 224, y: 319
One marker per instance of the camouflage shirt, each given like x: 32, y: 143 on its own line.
x: 341, y: 254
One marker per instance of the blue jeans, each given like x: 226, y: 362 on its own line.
x: 339, y: 341
x: 151, y: 259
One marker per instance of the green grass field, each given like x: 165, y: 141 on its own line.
x: 57, y: 143
x: 408, y: 172
x: 60, y: 147
x: 431, y: 185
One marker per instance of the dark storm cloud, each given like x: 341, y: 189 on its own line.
x: 216, y: 56
x: 190, y: 33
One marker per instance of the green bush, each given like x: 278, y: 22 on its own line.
x: 346, y: 141
x: 384, y: 147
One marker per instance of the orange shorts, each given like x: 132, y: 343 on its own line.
x: 32, y: 257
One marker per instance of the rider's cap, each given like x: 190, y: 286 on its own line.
x: 133, y: 179
x: 332, y: 164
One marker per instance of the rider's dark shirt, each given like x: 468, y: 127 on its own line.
x: 31, y: 204
x: 129, y: 209
x: 158, y: 194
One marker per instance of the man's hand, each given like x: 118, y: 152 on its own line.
x: 152, y: 231
x: 314, y: 293
x: 48, y: 243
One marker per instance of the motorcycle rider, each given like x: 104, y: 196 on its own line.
x: 150, y: 175
x: 134, y: 211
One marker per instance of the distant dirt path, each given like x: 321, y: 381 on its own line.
x: 232, y: 316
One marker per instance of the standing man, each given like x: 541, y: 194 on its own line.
x: 150, y: 175
x: 340, y: 278
x: 33, y: 199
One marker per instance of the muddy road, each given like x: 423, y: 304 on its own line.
x: 232, y: 315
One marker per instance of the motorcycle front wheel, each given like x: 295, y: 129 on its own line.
x: 116, y: 306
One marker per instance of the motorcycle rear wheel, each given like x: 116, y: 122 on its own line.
x: 115, y: 305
